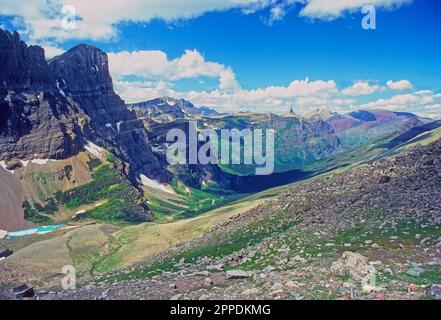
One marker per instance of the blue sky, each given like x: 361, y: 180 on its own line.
x: 259, y: 55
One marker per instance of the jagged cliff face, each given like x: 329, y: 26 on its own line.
x: 83, y: 73
x: 50, y: 109
x: 23, y: 67
x: 36, y: 120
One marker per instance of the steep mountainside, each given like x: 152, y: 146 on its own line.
x: 36, y: 120
x: 83, y: 73
x: 11, y: 200
x: 23, y: 67
x: 52, y: 112
x: 49, y: 110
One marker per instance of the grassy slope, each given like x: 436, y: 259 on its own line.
x: 187, y: 202
x: 105, y: 195
x: 103, y: 247
x: 135, y: 243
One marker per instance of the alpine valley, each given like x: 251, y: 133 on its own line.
x: 84, y: 182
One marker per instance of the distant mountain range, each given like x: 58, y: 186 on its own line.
x: 167, y: 109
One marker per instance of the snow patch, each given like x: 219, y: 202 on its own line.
x: 35, y: 161
x: 59, y: 90
x: 3, y: 164
x: 156, y: 149
x: 108, y: 125
x: 151, y: 183
x: 94, y: 149
x: 118, y: 125
x: 26, y: 162
x: 40, y: 161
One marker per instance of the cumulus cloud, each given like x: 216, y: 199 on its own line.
x: 361, y: 88
x: 400, y: 85
x: 100, y: 19
x: 277, y: 13
x: 423, y: 102
x: 325, y: 9
x: 302, y: 95
x: 51, y: 51
x: 227, y: 80
x: 155, y: 65
x: 159, y: 74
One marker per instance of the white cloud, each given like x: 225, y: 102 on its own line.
x: 304, y: 94
x: 400, y: 85
x: 325, y: 9
x: 421, y: 102
x: 136, y: 91
x: 51, y: 51
x: 277, y: 13
x: 361, y: 88
x: 99, y: 19
x: 227, y: 80
x: 155, y: 65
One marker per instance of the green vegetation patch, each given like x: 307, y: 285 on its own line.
x: 37, y: 214
x: 123, y: 202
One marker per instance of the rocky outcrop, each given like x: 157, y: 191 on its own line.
x: 23, y: 67
x: 351, y: 264
x: 36, y: 119
x: 83, y: 73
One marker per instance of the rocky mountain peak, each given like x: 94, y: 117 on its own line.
x: 168, y: 108
x: 180, y: 103
x: 319, y: 114
x: 83, y: 70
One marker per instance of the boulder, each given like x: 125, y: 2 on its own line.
x: 434, y: 292
x: 23, y: 291
x: 216, y: 267
x: 351, y: 264
x: 237, y: 274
